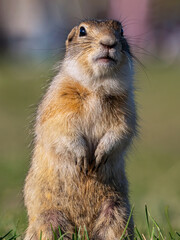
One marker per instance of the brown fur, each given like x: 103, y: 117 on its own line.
x: 68, y: 99
x: 83, y: 128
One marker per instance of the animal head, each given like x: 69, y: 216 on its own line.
x: 97, y: 48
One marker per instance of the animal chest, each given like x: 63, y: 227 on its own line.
x: 101, y: 113
x: 93, y: 113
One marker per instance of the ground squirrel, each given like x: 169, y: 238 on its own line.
x: 84, y: 125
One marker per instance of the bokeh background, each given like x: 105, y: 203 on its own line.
x: 32, y: 35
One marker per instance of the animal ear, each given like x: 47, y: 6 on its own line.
x: 71, y: 34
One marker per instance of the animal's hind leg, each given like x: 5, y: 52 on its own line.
x: 30, y: 234
x: 112, y: 221
x: 48, y: 222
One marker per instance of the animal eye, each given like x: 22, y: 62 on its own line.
x: 82, y: 32
x: 122, y: 32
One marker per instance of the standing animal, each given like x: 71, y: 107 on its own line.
x: 84, y: 125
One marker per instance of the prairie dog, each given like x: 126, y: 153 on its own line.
x: 84, y: 125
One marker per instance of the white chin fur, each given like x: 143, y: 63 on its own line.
x: 103, y: 73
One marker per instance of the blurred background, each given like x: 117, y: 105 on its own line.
x: 32, y: 36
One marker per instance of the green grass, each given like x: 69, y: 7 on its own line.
x: 153, y: 164
x: 153, y: 231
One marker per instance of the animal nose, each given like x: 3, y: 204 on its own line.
x: 108, y: 42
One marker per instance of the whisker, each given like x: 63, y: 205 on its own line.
x: 141, y: 65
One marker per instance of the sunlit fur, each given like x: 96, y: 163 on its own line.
x: 84, y: 125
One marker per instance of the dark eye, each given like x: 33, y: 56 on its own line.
x: 122, y: 32
x: 82, y: 32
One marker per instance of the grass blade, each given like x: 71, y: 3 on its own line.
x: 79, y: 233
x: 138, y: 233
x: 41, y: 235
x: 124, y: 232
x: 167, y: 218
x: 55, y: 236
x: 62, y: 236
x: 83, y: 235
x: 86, y: 233
x: 152, y: 234
x: 143, y: 237
x: 13, y: 238
x: 60, y: 233
x: 6, y: 235
x: 157, y: 226
x: 172, y: 238
x: 147, y: 220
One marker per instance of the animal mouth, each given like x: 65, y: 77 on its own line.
x: 106, y: 59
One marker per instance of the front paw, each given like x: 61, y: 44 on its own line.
x: 82, y: 159
x: 101, y: 155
